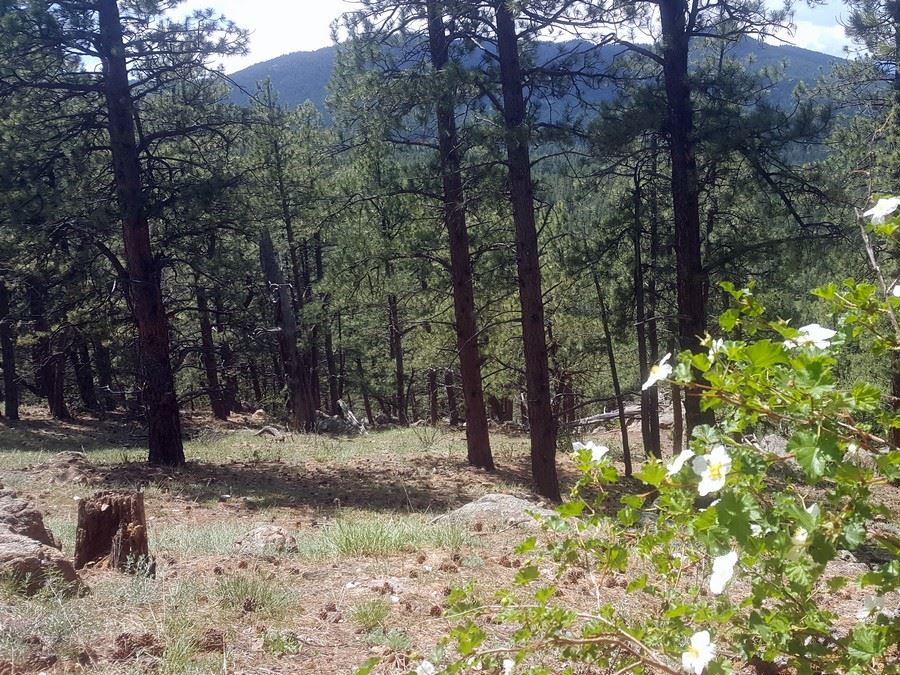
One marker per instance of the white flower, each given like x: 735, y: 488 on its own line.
x: 801, y: 536
x: 699, y: 653
x: 895, y: 291
x: 658, y: 372
x: 756, y: 530
x: 597, y: 451
x: 885, y: 207
x: 798, y: 544
x: 872, y: 607
x: 712, y: 469
x: 813, y: 510
x: 715, y: 347
x: 508, y: 666
x: 426, y: 668
x: 723, y: 570
x: 675, y: 465
x: 812, y: 335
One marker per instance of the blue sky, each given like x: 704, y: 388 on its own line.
x: 282, y: 26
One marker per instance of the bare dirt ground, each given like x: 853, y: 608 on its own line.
x: 369, y: 575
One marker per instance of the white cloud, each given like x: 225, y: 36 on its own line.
x: 276, y: 26
x: 282, y: 26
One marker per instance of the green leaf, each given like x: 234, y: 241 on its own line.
x: 867, y: 642
x: 634, y: 501
x: 854, y: 535
x: 765, y: 354
x: 637, y: 584
x: 368, y: 666
x: 653, y: 473
x: 526, y: 545
x: 729, y: 319
x: 804, y: 446
x: 527, y: 574
x: 570, y: 509
x: 735, y: 512
x: 836, y: 583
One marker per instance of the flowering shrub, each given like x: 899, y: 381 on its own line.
x: 734, y: 553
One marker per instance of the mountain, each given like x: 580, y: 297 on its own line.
x: 303, y: 76
x: 296, y: 77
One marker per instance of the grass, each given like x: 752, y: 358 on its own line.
x: 394, y: 639
x: 24, y: 446
x: 198, y: 539
x: 369, y: 535
x: 248, y: 594
x: 192, y: 535
x: 351, y: 534
x: 281, y: 643
x: 370, y: 614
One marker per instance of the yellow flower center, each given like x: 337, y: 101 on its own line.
x: 715, y: 470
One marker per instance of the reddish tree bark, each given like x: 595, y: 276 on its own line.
x: 477, y: 437
x: 690, y: 274
x: 521, y: 191
x: 145, y: 293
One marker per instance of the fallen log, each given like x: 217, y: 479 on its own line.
x: 631, y: 412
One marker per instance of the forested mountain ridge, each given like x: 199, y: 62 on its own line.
x: 303, y: 76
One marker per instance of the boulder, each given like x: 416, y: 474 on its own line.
x: 265, y: 539
x: 19, y: 516
x: 34, y: 564
x: 499, y: 510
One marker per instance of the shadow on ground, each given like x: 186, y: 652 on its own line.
x: 435, y: 484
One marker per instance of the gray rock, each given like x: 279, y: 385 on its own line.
x: 33, y: 564
x: 499, y: 510
x: 19, y: 516
x: 265, y: 539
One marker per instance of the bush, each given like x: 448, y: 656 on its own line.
x: 732, y: 551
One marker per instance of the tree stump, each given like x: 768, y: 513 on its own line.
x: 112, y: 532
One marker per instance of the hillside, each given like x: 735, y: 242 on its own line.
x: 304, y: 76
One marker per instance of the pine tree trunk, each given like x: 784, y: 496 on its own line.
x: 84, y: 373
x: 614, y: 374
x: 40, y: 343
x: 432, y: 397
x: 8, y: 357
x: 334, y: 385
x: 296, y: 371
x: 677, y: 421
x: 254, y: 379
x: 208, y: 355
x: 112, y: 532
x: 542, y: 426
x: 363, y: 385
x: 477, y: 437
x: 159, y: 397
x: 690, y: 275
x: 231, y: 392
x: 396, y: 350
x: 450, y: 391
x: 56, y: 386
x: 649, y: 403
x: 103, y: 360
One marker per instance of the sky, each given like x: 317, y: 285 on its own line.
x: 282, y: 26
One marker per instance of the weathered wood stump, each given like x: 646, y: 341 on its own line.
x: 112, y: 532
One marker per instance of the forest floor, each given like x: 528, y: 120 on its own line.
x: 369, y: 575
